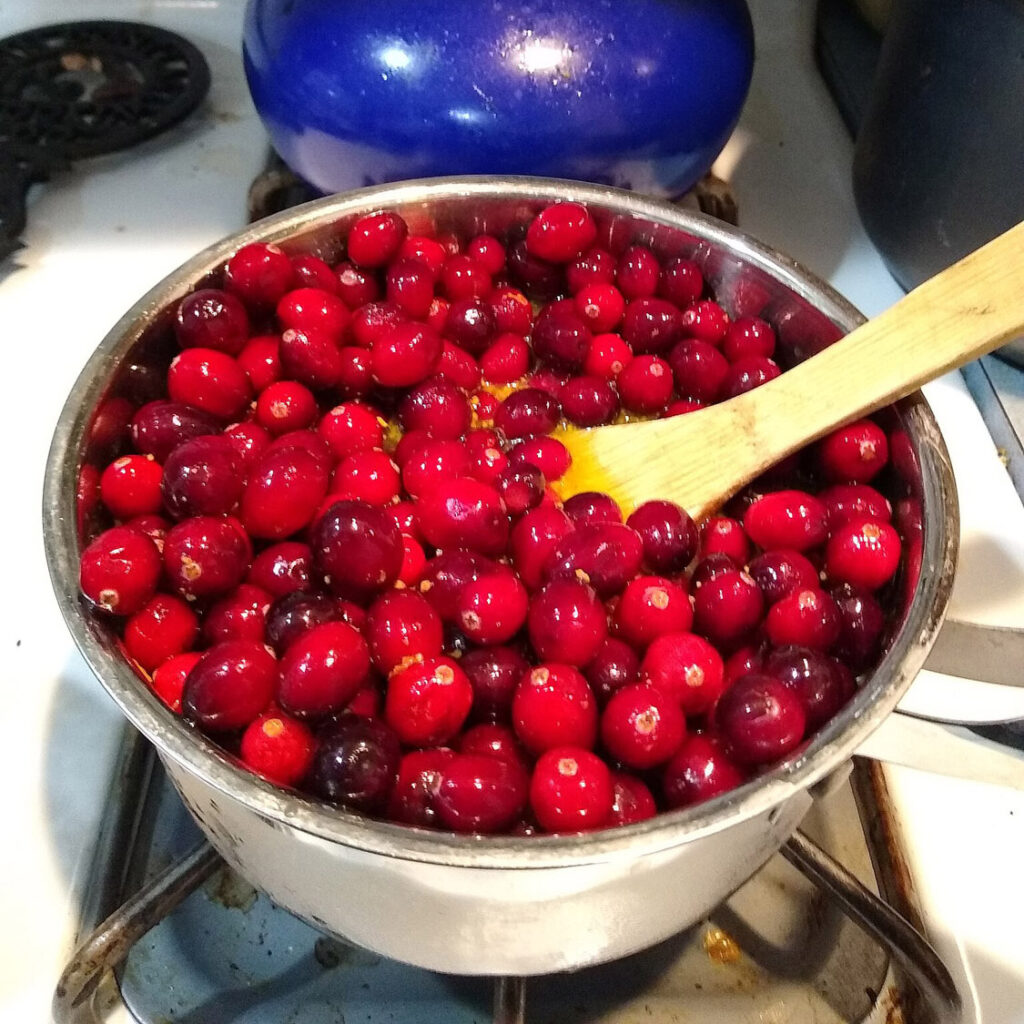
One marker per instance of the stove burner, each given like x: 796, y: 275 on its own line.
x: 82, y: 89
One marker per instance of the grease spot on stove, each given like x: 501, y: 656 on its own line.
x: 232, y: 891
x: 720, y: 947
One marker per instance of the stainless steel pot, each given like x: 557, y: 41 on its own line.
x: 501, y: 905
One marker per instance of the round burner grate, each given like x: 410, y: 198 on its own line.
x: 84, y: 88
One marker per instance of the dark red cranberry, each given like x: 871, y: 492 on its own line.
x: 282, y: 568
x: 284, y: 406
x: 240, y: 615
x: 527, y: 412
x: 209, y: 380
x: 651, y: 325
x: 746, y: 374
x: 592, y: 507
x: 613, y: 666
x: 548, y: 380
x: 641, y: 726
x: 700, y: 770
x: 864, y: 553
x: 278, y: 747
x: 492, y: 608
x: 536, y: 277
x: 206, y: 557
x: 356, y: 763
x: 375, y: 238
x: 405, y: 354
x: 495, y: 673
x: 492, y: 739
x: 589, y: 401
x: 437, y: 407
x: 284, y: 490
x: 645, y: 384
x: 651, y: 606
x: 786, y: 519
x: 229, y: 686
x: 668, y: 535
x: 562, y: 339
x: 854, y: 453
x: 553, y: 706
x: 481, y: 794
x: 571, y: 790
x: 410, y: 286
x: 781, y: 571
x: 521, y: 488
x: 427, y: 701
x: 533, y: 540
x: 745, y: 659
x: 211, y: 318
x: 153, y: 526
x: 260, y: 358
x: 322, y: 669
x: 355, y: 286
x: 818, y: 681
x: 561, y: 232
x: 687, y: 668
x: 759, y: 719
x: 548, y: 454
x: 371, y: 322
x: 402, y: 624
x: 861, y: 624
x: 131, y: 486
x: 681, y: 281
x: 413, y: 800
x: 708, y: 568
x: 203, y: 476
x: 566, y: 622
x: 699, y: 370
x: 512, y: 311
x: 357, y: 548
x: 250, y: 441
x: 728, y: 606
x: 311, y: 357
x: 160, y: 426
x: 632, y: 801
x: 259, y: 274
x: 845, y: 502
x: 807, y: 617
x: 445, y: 576
x: 594, y: 266
x: 161, y: 628
x: 607, y: 554
x: 748, y: 336
x: 308, y: 441
x: 471, y: 324
x: 637, y: 272
x: 464, y: 513
x: 295, y: 614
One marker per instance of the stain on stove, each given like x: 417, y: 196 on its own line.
x: 232, y: 891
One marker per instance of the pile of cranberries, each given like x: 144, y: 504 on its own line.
x: 336, y: 544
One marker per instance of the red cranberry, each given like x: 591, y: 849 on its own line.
x: 781, y: 571
x: 699, y: 771
x: 632, y: 801
x: 229, y: 686
x: 438, y: 407
x: 708, y: 567
x: 854, y: 453
x: 355, y: 286
x: 315, y: 312
x: 260, y: 358
x: 614, y: 666
x: 521, y: 488
x: 553, y: 705
x: 206, y: 557
x: 284, y: 406
x: 356, y: 378
x: 434, y: 461
x: 748, y: 336
x: 538, y: 278
x: 130, y: 486
x: 213, y: 319
x: 607, y: 356
x: 865, y: 553
x: 414, y: 561
x: 259, y: 274
x: 413, y: 800
x: 681, y: 281
x: 786, y: 519
x: 168, y: 681
x: 641, y: 726
x: 495, y: 673
x: 283, y: 493
x: 159, y: 427
x: 651, y: 325
x: 760, y: 719
x: 428, y: 701
x: 282, y: 568
x: 492, y: 609
x: 491, y: 739
x: 845, y: 502
x: 745, y: 659
x: 484, y: 405
x: 726, y: 535
x: 367, y: 476
x: 533, y: 540
x: 375, y: 238
x: 312, y: 272
x: 571, y: 790
x: 161, y: 628
x: 487, y: 460
x: 240, y: 615
x: 566, y: 622
x: 356, y: 763
x: 463, y: 277
x: 402, y: 624
x: 311, y: 357
x: 607, y: 554
x: 481, y: 794
x: 307, y: 441
x: 295, y: 614
x: 278, y: 747
x: 471, y: 324
x: 728, y: 606
x: 699, y: 370
x: 410, y: 286
x: 687, y: 668
x: 561, y: 232
x: 322, y: 669
x: 668, y: 535
x: 464, y: 513
x: 600, y: 305
x: 249, y: 440
x: 645, y: 384
x: 806, y: 617
x: 861, y: 623
x: 203, y: 476
x: 406, y: 515
x: 351, y: 427
x: 637, y: 272
x: 706, y: 319
x: 445, y: 576
x: 592, y: 507
x: 211, y: 381
x: 487, y: 250
x: 506, y: 360
x: 594, y: 266
x: 405, y: 354
x: 589, y: 401
x: 548, y: 454
x: 819, y: 682
x: 428, y: 251
x: 651, y: 606
x: 512, y: 311
x: 371, y: 322
x: 357, y: 548
x: 746, y: 374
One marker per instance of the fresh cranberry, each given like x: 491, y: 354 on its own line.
x: 724, y: 534
x: 374, y: 239
x: 295, y: 614
x: 533, y: 540
x: 760, y: 719
x: 861, y: 624
x: 158, y: 427
x: 637, y: 272
x: 705, y: 319
x: 566, y: 622
x: 471, y: 324
x: 282, y: 568
x: 594, y: 266
x: 681, y: 406
x: 428, y: 251
x: 562, y: 339
x: 312, y: 272
x: 700, y: 770
x: 322, y: 669
x: 864, y: 553
x: 685, y: 667
x: 414, y: 561
x: 807, y: 617
x: 410, y: 286
x: 607, y: 555
x: 527, y: 412
x: 367, y: 476
x: 487, y: 250
x: 512, y: 311
x: 278, y: 747
x: 212, y: 319
x: 745, y: 659
x: 356, y: 377
x: 699, y: 369
x: 708, y: 567
x: 428, y: 701
x: 284, y: 406
x: 356, y: 763
x: 366, y: 703
x: 651, y: 325
x: 748, y: 336
x: 537, y: 278
x: 161, y: 628
x: 168, y: 681
x: 130, y: 486
x: 492, y: 608
x: 464, y: 513
x: 588, y: 401
x: 203, y: 476
x: 206, y: 557
x: 310, y: 357
x: 484, y: 405
x: 571, y: 790
x: 405, y: 354
x: 600, y: 305
x: 260, y: 358
x: 481, y: 794
x: 727, y: 606
x: 259, y: 274
x: 553, y: 705
x: 506, y: 359
x: 592, y: 507
x: 283, y: 493
x: 854, y: 453
x: 521, y: 488
x: 607, y: 356
x: 786, y: 519
x: 308, y: 441
x: 240, y: 615
x: 495, y: 673
x: 846, y: 502
x: 351, y: 427
x: 668, y: 535
x: 445, y: 576
x: 438, y: 407
x: 402, y: 624
x: 781, y: 571
x: 650, y: 607
x: 746, y: 374
x: 681, y: 281
x: 315, y: 312
x: 413, y: 799
x: 355, y: 285
x: 487, y: 461
x: 548, y: 454
x: 434, y: 461
x: 645, y: 384
x: 492, y: 739
x: 561, y: 232
x: 546, y: 379
x: 463, y: 277
x: 371, y: 322
x: 155, y: 527
x: 357, y: 548
x: 229, y: 686
x: 819, y: 682
x: 641, y: 726
x: 614, y: 666
x: 249, y: 440
x: 211, y: 381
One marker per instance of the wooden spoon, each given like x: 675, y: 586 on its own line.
x: 701, y: 459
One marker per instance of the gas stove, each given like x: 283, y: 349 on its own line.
x: 103, y: 232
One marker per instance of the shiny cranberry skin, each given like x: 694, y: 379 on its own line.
x: 594, y: 266
x: 649, y: 607
x: 681, y: 281
x: 613, y: 666
x: 284, y: 491
x: 130, y: 486
x: 698, y: 771
x: 527, y: 412
x: 854, y: 453
x: 607, y: 356
x: 410, y: 286
x: 746, y: 374
x: 600, y: 305
x: 463, y: 277
x: 249, y: 440
x: 259, y: 274
x: 495, y: 673
x: 203, y: 476
x: 428, y: 701
x: 367, y: 476
x: 487, y: 460
x: 846, y: 502
x: 433, y: 462
x: 861, y: 624
x: 414, y: 561
x: 168, y: 681
x: 745, y: 659
x: 548, y: 454
x: 161, y: 628
x: 295, y: 614
x: 534, y: 538
x: 685, y: 667
x: 571, y: 790
x: 402, y: 624
x: 471, y: 324
x: 214, y: 319
x: 481, y: 794
x: 651, y: 325
x: 641, y: 726
x: 506, y: 360
x: 357, y: 548
x: 311, y: 357
x: 351, y: 427
x: 819, y: 682
x: 284, y: 406
x: 645, y: 384
x: 592, y: 507
x: 312, y: 272
x: 562, y: 340
x: 728, y: 606
x: 760, y: 719
x: 374, y: 239
x: 231, y: 684
x: 866, y: 554
x: 781, y: 571
x: 438, y: 407
x: 405, y: 354
x: 637, y: 272
x: 607, y: 554
x: 445, y: 576
x: 561, y: 232
x: 708, y: 567
x: 488, y: 250
x: 537, y: 278
x: 413, y: 800
x: 260, y: 358
x: 492, y: 739
x: 553, y: 705
x: 206, y: 557
x: 282, y: 568
x: 521, y: 488
x: 699, y: 370
x: 808, y: 617
x: 157, y: 428
x: 464, y: 513
x: 632, y: 801
x: 513, y: 313
x: 355, y: 285
x: 748, y: 336
x: 668, y: 535
x: 307, y: 441
x: 786, y: 519
x: 322, y: 669
x: 371, y: 322
x: 240, y: 615
x: 356, y: 763
x: 278, y: 747
x: 211, y: 381
x: 726, y: 535
x: 314, y: 312
x: 492, y: 609
x: 356, y: 379
x: 566, y: 622
x: 588, y: 401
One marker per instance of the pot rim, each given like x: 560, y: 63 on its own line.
x: 173, y: 739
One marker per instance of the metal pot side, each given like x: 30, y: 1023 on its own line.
x: 503, y: 905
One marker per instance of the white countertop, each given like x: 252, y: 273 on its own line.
x: 98, y: 239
